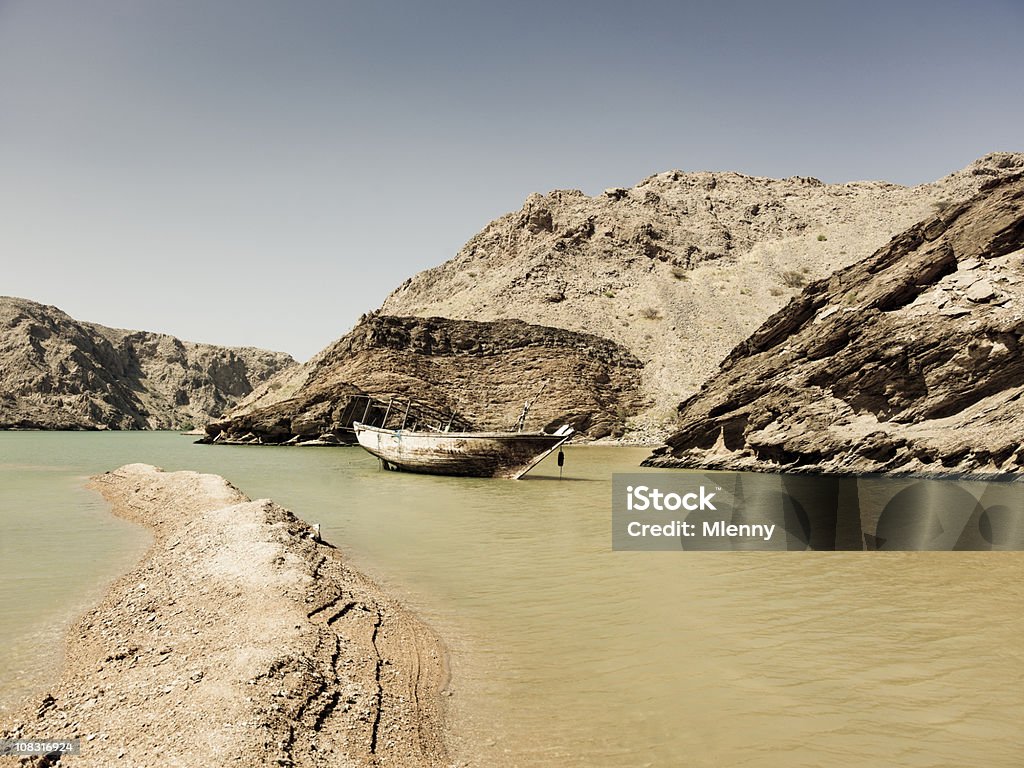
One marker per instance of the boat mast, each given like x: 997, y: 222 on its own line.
x: 526, y: 407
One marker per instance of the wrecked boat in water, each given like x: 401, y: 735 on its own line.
x: 440, y: 451
x: 466, y: 454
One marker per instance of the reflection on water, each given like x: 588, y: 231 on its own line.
x: 564, y: 652
x: 887, y: 514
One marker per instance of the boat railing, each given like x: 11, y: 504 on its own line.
x: 400, y: 413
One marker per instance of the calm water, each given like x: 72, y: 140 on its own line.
x: 563, y: 652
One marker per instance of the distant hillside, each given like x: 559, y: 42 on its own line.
x: 482, y: 371
x: 909, y: 361
x: 60, y: 373
x: 679, y: 268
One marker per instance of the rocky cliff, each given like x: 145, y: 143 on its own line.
x: 483, y: 371
x: 910, y: 361
x: 679, y: 268
x: 59, y: 373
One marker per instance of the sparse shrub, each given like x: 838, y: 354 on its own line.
x: 679, y: 273
x: 822, y: 238
x: 776, y: 291
x: 941, y: 205
x: 793, y: 279
x: 609, y: 294
x: 650, y: 313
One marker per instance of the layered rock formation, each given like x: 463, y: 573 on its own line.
x: 910, y: 361
x: 679, y: 268
x: 482, y: 371
x: 59, y: 373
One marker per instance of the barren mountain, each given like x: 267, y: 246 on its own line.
x: 679, y: 268
x: 482, y: 371
x: 910, y: 361
x: 59, y: 373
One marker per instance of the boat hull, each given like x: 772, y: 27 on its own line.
x: 465, y: 454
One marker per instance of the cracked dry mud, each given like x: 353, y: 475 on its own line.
x: 240, y: 640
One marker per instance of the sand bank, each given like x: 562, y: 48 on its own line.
x: 239, y: 640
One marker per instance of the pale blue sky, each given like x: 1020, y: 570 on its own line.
x: 263, y: 172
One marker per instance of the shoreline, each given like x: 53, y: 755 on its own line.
x: 238, y: 638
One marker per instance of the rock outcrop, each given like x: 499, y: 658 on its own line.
x: 679, y: 268
x: 910, y: 361
x: 482, y: 371
x: 60, y: 373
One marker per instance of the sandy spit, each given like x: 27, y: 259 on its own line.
x: 239, y: 640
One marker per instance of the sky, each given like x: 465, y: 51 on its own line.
x: 262, y: 173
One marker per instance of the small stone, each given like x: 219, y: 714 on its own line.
x: 981, y: 291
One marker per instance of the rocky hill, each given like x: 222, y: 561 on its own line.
x: 59, y: 373
x: 679, y: 268
x: 910, y: 361
x: 482, y: 371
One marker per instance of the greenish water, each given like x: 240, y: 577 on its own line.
x: 563, y: 652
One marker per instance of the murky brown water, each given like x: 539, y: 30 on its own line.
x: 565, y: 653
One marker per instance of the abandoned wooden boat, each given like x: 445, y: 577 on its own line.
x: 467, y: 454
